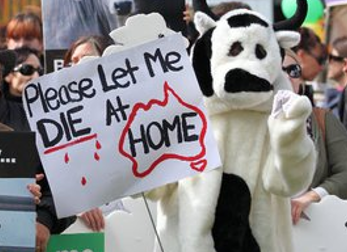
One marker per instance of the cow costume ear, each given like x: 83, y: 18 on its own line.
x: 287, y: 39
x: 203, y: 22
x: 201, y: 60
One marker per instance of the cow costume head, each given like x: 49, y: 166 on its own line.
x: 237, y: 59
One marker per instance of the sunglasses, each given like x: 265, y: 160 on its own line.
x: 293, y: 70
x: 27, y: 70
x: 335, y: 58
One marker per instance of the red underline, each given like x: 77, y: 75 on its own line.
x: 63, y: 146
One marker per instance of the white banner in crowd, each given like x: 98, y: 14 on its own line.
x: 120, y: 125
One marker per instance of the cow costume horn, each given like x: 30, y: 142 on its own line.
x: 295, y: 21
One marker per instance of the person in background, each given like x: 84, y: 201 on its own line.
x: 312, y: 56
x: 25, y: 29
x: 191, y: 33
x: 23, y: 66
x: 338, y: 65
x: 330, y: 139
x: 93, y: 45
x: 7, y: 58
x: 27, y: 67
x: 337, y: 70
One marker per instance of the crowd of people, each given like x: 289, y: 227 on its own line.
x: 21, y: 60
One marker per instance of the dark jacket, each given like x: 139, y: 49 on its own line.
x: 4, y: 127
x: 331, y: 168
x: 343, y: 107
x: 13, y: 115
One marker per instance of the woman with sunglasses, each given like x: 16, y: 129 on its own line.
x: 26, y: 66
x: 338, y: 72
x: 337, y: 69
x: 311, y: 54
x: 7, y: 61
x: 330, y: 139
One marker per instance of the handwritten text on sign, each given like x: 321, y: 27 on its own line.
x: 120, y: 125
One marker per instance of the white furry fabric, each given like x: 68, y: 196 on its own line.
x: 270, y: 151
x: 276, y: 163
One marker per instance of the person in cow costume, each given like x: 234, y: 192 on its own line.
x: 260, y: 127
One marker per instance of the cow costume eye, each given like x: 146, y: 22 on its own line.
x: 260, y: 52
x: 235, y: 49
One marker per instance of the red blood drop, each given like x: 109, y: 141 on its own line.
x: 66, y: 158
x: 98, y: 145
x: 96, y: 156
x: 84, y: 181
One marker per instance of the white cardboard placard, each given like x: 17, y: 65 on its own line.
x: 120, y: 125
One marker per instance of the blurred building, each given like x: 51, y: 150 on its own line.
x: 9, y: 8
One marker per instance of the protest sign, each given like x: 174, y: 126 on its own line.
x: 120, y: 125
x: 14, y: 161
x: 17, y: 207
x: 89, y: 242
x: 322, y: 227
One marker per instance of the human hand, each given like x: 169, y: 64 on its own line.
x: 35, y: 189
x: 94, y: 219
x: 298, y: 205
x: 42, y: 236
